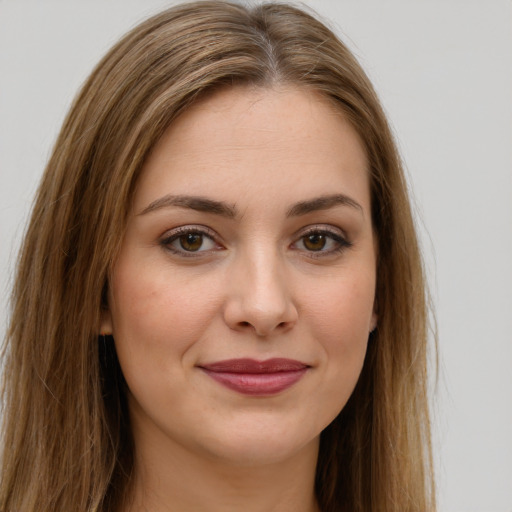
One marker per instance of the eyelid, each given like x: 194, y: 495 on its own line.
x: 173, y: 234
x: 335, y: 233
x: 187, y: 228
x: 322, y: 228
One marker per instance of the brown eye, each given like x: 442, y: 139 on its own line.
x: 315, y: 242
x: 191, y: 241
x: 322, y: 242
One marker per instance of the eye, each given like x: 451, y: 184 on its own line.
x: 321, y: 242
x: 188, y: 240
x: 315, y: 241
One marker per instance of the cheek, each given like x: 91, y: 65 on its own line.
x: 155, y: 313
x: 341, y: 312
x: 340, y: 322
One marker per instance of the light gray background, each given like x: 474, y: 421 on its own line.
x: 444, y: 72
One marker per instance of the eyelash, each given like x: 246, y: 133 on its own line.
x: 177, y: 233
x: 338, y: 238
x: 341, y: 242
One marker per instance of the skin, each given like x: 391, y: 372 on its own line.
x: 267, y: 279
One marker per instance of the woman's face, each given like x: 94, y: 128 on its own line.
x: 243, y: 295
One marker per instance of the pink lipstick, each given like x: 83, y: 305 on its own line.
x: 256, y: 378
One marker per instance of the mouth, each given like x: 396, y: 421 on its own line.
x: 256, y: 378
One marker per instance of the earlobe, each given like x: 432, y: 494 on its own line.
x: 106, y: 322
x: 373, y: 322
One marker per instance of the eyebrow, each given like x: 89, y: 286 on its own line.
x: 323, y: 203
x: 198, y: 203
x: 204, y: 204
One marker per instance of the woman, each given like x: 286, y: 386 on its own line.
x: 220, y: 302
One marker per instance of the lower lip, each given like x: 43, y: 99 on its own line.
x: 257, y: 384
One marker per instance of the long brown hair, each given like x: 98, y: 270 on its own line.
x: 66, y: 430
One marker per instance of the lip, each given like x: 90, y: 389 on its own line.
x: 256, y: 378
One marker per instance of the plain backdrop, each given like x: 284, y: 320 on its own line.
x: 443, y: 70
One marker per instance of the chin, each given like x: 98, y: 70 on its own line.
x: 260, y: 454
x: 259, y: 445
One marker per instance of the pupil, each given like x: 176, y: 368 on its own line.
x: 315, y: 242
x: 191, y: 241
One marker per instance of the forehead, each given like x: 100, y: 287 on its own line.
x: 243, y: 140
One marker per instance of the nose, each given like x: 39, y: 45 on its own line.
x: 259, y: 297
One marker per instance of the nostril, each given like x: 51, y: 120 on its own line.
x: 245, y: 324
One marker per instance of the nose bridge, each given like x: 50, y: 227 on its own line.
x: 265, y: 288
x: 260, y: 296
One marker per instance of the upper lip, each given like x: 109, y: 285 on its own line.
x: 246, y: 365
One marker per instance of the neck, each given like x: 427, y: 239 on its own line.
x: 170, y: 480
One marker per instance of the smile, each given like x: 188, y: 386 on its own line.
x: 256, y: 378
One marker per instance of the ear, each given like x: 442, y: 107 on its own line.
x: 106, y: 322
x: 373, y: 321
